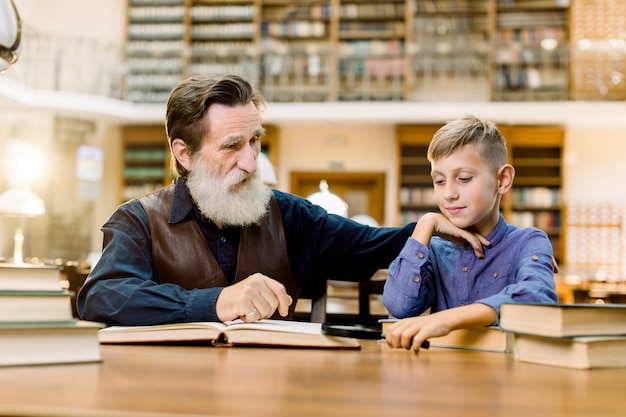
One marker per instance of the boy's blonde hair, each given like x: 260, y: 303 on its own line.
x: 470, y: 130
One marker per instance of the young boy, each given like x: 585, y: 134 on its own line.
x: 464, y: 262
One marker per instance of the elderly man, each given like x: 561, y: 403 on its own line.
x: 218, y: 244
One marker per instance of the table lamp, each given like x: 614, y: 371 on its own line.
x: 329, y: 201
x: 266, y: 170
x: 10, y: 34
x: 20, y: 202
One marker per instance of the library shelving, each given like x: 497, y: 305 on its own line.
x: 296, y: 50
x: 416, y: 195
x: 146, y: 160
x: 398, y: 50
x: 531, y: 51
x: 221, y: 37
x: 536, y: 152
x: 154, y: 49
x: 448, y: 52
x: 371, y: 50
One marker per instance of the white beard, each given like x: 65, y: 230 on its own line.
x: 217, y: 202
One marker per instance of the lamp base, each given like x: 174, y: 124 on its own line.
x: 18, y: 244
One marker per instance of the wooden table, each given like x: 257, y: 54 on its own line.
x: 375, y: 381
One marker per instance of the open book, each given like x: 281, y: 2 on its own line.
x: 269, y: 333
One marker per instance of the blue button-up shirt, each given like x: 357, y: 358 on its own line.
x: 517, y: 267
x: 320, y: 246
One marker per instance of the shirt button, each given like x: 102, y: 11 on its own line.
x: 420, y: 255
x: 495, y: 275
x: 416, y: 279
x: 223, y: 239
x: 465, y: 269
x: 535, y: 257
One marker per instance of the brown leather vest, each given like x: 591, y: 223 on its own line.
x: 181, y: 255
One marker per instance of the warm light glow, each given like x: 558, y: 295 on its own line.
x: 584, y: 44
x: 30, y: 167
x: 549, y: 44
x: 25, y: 166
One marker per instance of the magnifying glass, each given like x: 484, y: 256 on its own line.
x: 356, y: 331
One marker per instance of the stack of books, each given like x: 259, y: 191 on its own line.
x: 36, y: 321
x: 581, y: 336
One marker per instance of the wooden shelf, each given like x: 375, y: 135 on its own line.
x: 146, y: 161
x: 399, y: 50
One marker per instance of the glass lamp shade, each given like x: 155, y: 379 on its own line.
x: 329, y: 201
x: 21, y: 202
x: 266, y: 170
x: 10, y: 34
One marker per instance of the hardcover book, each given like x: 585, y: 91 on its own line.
x: 270, y: 333
x: 28, y: 277
x: 564, y: 319
x: 35, y: 306
x: 73, y: 341
x: 583, y: 352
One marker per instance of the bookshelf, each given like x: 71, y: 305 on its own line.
x: 416, y: 195
x: 371, y: 44
x: 536, y: 152
x: 296, y: 46
x: 397, y: 50
x: 154, y: 49
x: 222, y: 37
x: 145, y: 161
x: 531, y: 51
x: 448, y: 53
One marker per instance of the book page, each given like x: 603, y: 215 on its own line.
x: 174, y: 332
x: 282, y: 333
x: 276, y: 326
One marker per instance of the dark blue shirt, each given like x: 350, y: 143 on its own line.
x: 320, y: 246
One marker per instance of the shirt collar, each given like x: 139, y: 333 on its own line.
x: 182, y: 203
x: 497, y: 234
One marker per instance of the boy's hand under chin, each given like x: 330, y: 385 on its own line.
x: 436, y: 224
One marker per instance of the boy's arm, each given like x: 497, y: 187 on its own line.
x: 411, y: 332
x: 437, y: 224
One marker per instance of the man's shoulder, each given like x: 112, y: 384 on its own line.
x: 296, y: 208
x: 287, y: 199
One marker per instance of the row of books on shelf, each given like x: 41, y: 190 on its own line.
x: 580, y: 336
x: 377, y: 10
x: 36, y: 322
x: 417, y: 196
x: 545, y: 220
x: 537, y: 196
